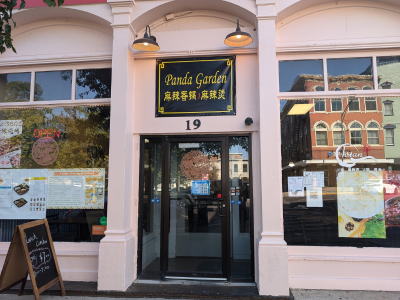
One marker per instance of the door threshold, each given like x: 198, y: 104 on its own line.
x: 192, y: 281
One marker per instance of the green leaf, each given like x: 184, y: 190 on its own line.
x: 7, y: 28
x: 60, y: 2
x: 13, y: 49
x: 22, y: 4
x: 50, y: 3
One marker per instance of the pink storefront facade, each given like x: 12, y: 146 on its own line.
x: 94, y: 36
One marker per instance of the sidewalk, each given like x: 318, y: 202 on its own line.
x: 298, y: 295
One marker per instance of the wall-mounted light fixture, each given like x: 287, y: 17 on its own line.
x: 147, y: 43
x: 291, y: 164
x: 238, y: 38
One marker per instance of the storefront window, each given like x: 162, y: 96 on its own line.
x: 346, y: 193
x: 93, y: 84
x: 53, y: 85
x: 350, y: 73
x: 292, y: 76
x: 15, y: 87
x: 388, y: 69
x: 54, y: 165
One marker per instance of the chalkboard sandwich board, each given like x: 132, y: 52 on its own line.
x: 31, y: 252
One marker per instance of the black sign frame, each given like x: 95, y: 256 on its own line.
x: 19, y: 262
x: 218, y: 80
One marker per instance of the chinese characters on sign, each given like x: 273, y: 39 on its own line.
x: 194, y: 87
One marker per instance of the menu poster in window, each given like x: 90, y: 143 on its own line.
x: 296, y: 187
x: 76, y: 189
x: 360, y: 204
x: 10, y: 143
x: 23, y: 194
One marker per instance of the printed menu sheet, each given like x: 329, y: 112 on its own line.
x: 296, y: 187
x: 23, y: 194
x: 76, y: 189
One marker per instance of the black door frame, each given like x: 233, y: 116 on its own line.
x: 226, y: 245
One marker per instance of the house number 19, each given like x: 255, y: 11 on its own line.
x: 196, y: 124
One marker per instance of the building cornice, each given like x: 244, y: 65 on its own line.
x: 55, y: 59
x: 164, y: 54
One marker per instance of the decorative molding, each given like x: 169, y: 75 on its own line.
x: 55, y: 59
x: 116, y: 3
x: 133, y: 31
x: 118, y: 236
x: 335, y: 47
x: 184, y: 53
x: 266, y: 18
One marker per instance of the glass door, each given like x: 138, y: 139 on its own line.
x: 195, y: 209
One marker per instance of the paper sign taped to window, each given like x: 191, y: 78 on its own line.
x: 313, y: 179
x: 200, y: 187
x: 314, y: 197
x: 296, y: 187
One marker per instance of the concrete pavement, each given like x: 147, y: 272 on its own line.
x: 298, y: 295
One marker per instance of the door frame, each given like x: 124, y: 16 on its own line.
x: 224, y: 138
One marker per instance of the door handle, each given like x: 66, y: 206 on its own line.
x: 219, y: 208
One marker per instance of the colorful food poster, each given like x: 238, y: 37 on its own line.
x: 391, y: 189
x: 20, y: 196
x: 361, y: 204
x: 10, y: 143
x: 200, y: 187
x: 296, y: 187
x: 76, y: 189
x: 314, y: 196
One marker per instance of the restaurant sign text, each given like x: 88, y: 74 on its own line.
x: 196, y: 87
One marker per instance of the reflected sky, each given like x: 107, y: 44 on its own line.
x: 289, y: 70
x: 350, y: 66
x: 56, y: 85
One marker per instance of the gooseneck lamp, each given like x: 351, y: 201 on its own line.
x: 147, y: 43
x: 238, y: 38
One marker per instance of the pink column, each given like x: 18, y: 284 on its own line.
x: 271, y: 249
x: 117, y: 264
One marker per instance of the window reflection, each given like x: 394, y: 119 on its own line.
x: 82, y: 136
x: 15, y: 87
x: 301, y: 76
x: 317, y: 213
x: 388, y: 68
x: 93, y: 84
x: 54, y: 85
x: 350, y: 73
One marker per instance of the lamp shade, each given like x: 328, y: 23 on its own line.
x: 147, y: 43
x: 238, y: 38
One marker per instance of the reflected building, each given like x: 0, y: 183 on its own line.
x: 311, y: 137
